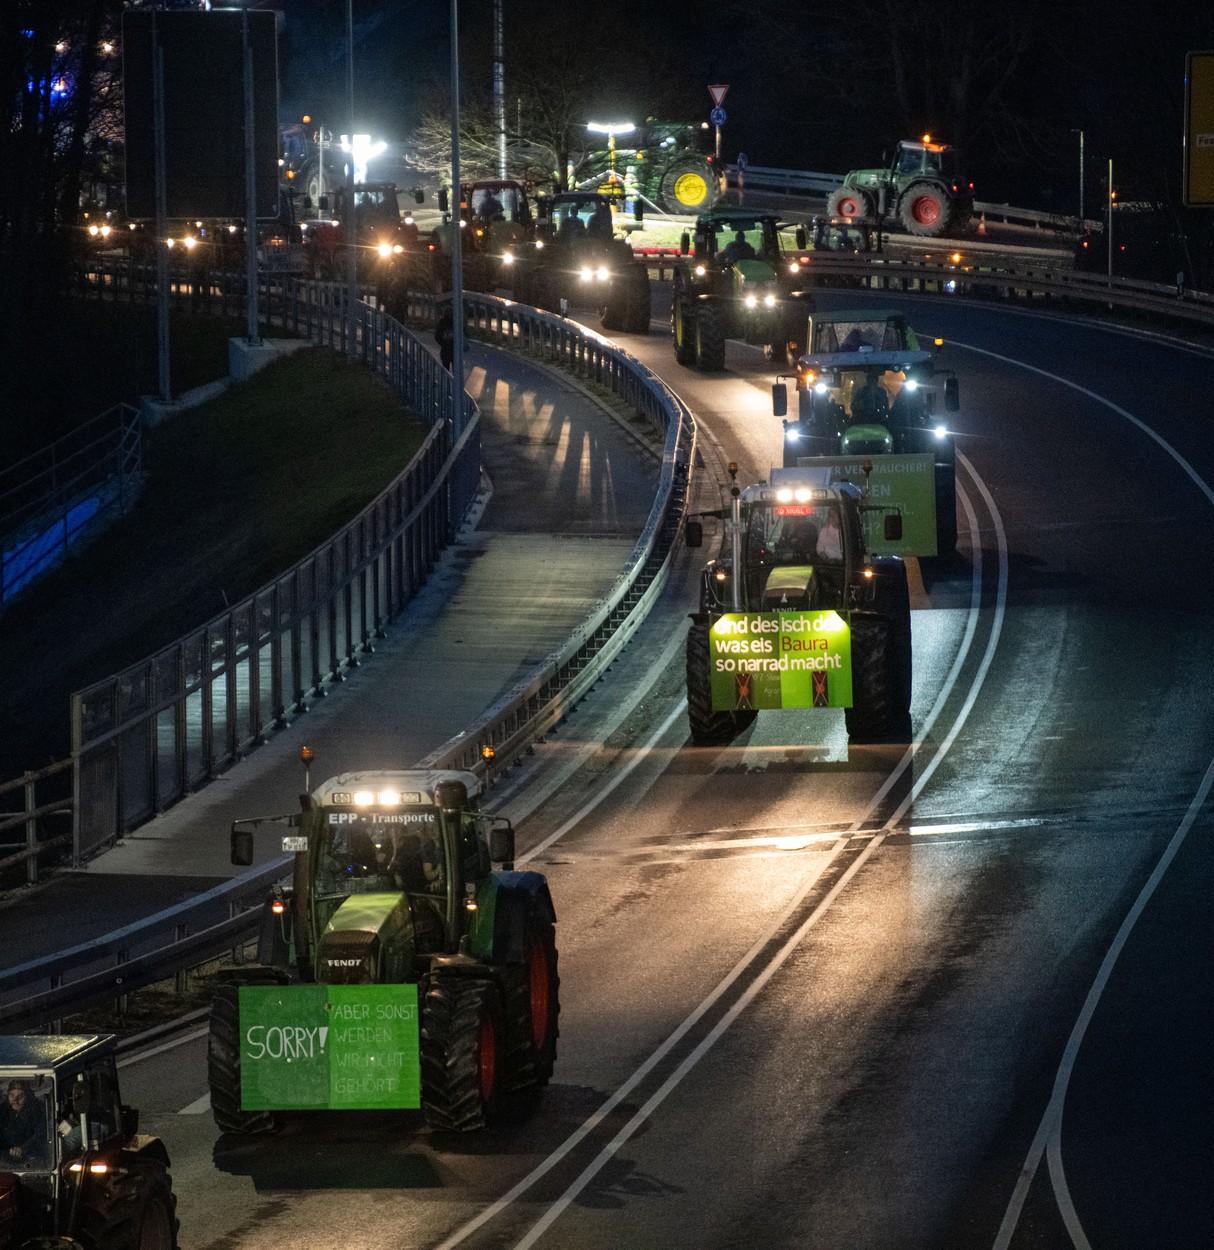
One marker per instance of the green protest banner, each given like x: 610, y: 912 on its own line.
x: 780, y: 659
x: 905, y: 483
x: 329, y: 1047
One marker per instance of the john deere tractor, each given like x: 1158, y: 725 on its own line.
x: 798, y: 613
x: 397, y: 970
x: 669, y: 164
x: 922, y: 187
x: 576, y: 256
x: 737, y: 282
x: 77, y: 1173
x: 868, y: 392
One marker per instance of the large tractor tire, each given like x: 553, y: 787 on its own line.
x: 881, y: 664
x: 683, y: 330
x: 462, y: 1052
x: 848, y: 203
x: 710, y: 338
x: 688, y: 186
x: 708, y: 728
x: 532, y: 1008
x: 946, y: 509
x: 223, y: 1068
x: 140, y: 1213
x: 925, y: 210
x: 637, y: 307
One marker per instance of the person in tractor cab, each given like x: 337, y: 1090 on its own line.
x: 23, y: 1130
x: 800, y: 542
x: 599, y: 226
x: 830, y: 539
x: 490, y: 207
x: 739, y: 249
x: 417, y: 865
x: 870, y: 403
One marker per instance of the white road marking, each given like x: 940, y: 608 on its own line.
x: 588, y: 1126
x: 1048, y: 1137
x: 198, y: 1107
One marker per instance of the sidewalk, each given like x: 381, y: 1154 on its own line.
x: 571, y: 491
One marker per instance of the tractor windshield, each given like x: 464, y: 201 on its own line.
x: 794, y: 533
x: 871, y: 397
x: 852, y: 336
x: 363, y: 852
x: 500, y: 204
x: 745, y: 239
x: 26, y: 1122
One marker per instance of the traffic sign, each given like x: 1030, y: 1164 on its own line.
x: 717, y: 90
x: 742, y: 162
x: 717, y: 116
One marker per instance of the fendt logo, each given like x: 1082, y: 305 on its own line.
x: 344, y: 963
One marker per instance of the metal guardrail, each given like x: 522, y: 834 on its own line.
x: 143, y: 738
x: 49, y: 499
x: 163, y: 945
x: 885, y: 274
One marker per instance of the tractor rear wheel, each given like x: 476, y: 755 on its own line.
x: 532, y: 1008
x: 881, y: 679
x: 925, y: 210
x: 848, y: 203
x: 223, y: 1068
x: 683, y: 331
x: 462, y: 1052
x: 139, y: 1214
x: 710, y: 338
x: 688, y: 186
x: 708, y: 728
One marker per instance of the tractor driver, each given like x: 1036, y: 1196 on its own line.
x: 599, y: 226
x: 870, y: 402
x: 491, y: 207
x: 739, y: 249
x: 23, y: 1130
x: 417, y: 865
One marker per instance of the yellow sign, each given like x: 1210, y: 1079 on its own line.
x: 1199, y: 130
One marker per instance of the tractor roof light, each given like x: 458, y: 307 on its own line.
x: 363, y: 798
x: 388, y: 798
x: 784, y: 495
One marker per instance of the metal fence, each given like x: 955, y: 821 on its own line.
x: 190, y: 933
x: 52, y: 498
x: 145, y: 737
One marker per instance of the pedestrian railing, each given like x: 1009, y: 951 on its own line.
x: 65, y: 491
x: 143, y: 738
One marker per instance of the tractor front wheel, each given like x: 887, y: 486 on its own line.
x: 683, y: 331
x: 636, y: 299
x: 708, y: 728
x: 848, y: 203
x: 462, y: 1052
x: 925, y: 211
x: 223, y: 1068
x: 688, y: 186
x: 710, y: 338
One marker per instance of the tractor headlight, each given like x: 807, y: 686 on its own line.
x: 397, y: 248
x: 941, y: 432
x: 105, y: 232
x: 794, y: 267
x: 384, y: 249
x: 821, y: 388
x: 769, y: 301
x: 587, y: 274
x: 539, y: 243
x: 508, y: 259
x: 911, y: 384
x: 784, y: 495
x: 803, y: 494
x: 94, y: 230
x: 700, y: 271
x: 792, y: 434
x: 602, y: 273
x: 751, y: 301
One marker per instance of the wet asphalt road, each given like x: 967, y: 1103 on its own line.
x: 821, y: 998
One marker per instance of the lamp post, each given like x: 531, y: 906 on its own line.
x: 457, y: 274
x: 1079, y: 132
x: 1112, y: 197
x: 348, y: 224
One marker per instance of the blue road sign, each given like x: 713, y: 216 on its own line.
x: 717, y: 116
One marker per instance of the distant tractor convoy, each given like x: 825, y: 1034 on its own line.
x: 399, y: 968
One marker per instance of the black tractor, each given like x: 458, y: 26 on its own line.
x: 735, y: 280
x: 577, y: 257
x: 78, y: 1174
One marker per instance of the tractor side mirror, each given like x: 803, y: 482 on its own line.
x: 952, y: 395
x: 802, y: 239
x: 82, y: 1095
x: 324, y: 203
x: 893, y: 527
x: 684, y: 243
x: 693, y: 533
x: 242, y: 847
x: 307, y: 201
x: 419, y: 196
x: 444, y: 201
x: 638, y: 211
x: 779, y: 399
x: 501, y: 842
x: 130, y: 1121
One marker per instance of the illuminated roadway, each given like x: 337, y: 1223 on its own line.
x: 824, y: 998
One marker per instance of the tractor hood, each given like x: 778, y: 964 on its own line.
x: 787, y: 586
x: 358, y: 934
x: 869, y: 440
x: 751, y: 272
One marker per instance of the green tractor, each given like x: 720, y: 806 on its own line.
x: 77, y: 1173
x: 737, y: 282
x: 576, y: 257
x: 799, y: 613
x: 669, y: 165
x: 922, y: 187
x: 868, y: 392
x: 398, y: 970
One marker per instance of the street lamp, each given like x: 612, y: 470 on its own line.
x: 1079, y: 132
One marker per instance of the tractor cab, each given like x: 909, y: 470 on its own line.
x: 938, y: 160
x: 733, y: 237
